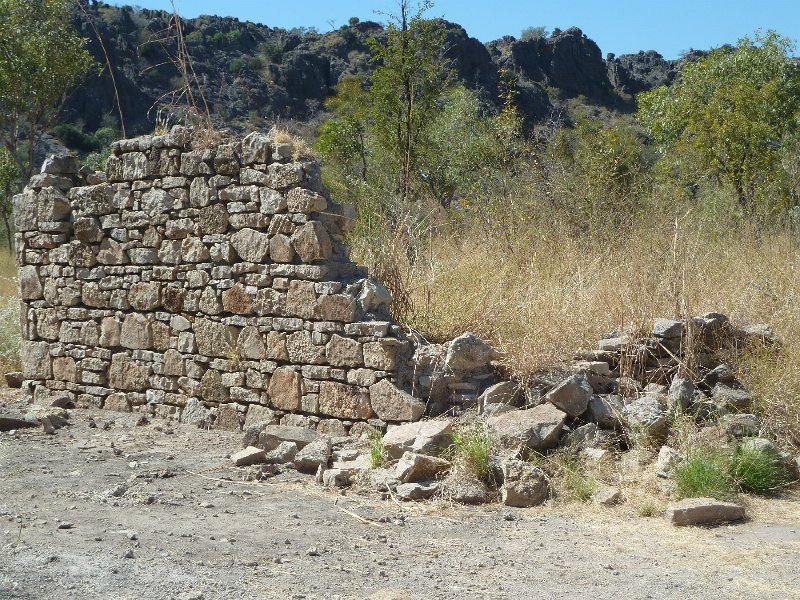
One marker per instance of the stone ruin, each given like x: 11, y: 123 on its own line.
x: 210, y: 285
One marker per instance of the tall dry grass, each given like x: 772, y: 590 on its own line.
x: 548, y: 292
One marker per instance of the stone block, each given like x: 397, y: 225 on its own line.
x: 343, y: 401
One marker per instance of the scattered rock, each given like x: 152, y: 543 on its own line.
x: 537, y: 428
x: 668, y: 459
x: 703, y: 511
x: 607, y: 496
x: 469, y: 352
x: 646, y: 416
x: 316, y: 454
x: 571, y: 395
x: 249, y: 456
x: 272, y: 435
x: 741, y: 425
x: 524, y: 485
x: 465, y: 489
x: 414, y: 467
x: 417, y: 491
x: 424, y: 437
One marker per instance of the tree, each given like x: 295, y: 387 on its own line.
x: 728, y: 115
x: 9, y: 181
x: 409, y: 78
x: 41, y: 58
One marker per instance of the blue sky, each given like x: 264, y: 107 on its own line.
x: 623, y: 26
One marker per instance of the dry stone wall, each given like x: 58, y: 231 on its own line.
x: 207, y: 284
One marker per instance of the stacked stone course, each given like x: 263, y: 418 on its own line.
x: 202, y: 284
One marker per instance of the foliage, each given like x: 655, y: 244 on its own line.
x: 74, y: 138
x: 245, y: 63
x: 9, y: 183
x: 377, y: 455
x: 533, y: 33
x: 728, y: 116
x: 41, y: 58
x: 471, y: 451
x: 272, y: 51
x: 757, y: 469
x: 705, y: 473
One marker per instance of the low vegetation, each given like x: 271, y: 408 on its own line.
x: 471, y: 451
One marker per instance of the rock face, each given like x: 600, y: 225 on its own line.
x: 703, y: 511
x: 211, y: 282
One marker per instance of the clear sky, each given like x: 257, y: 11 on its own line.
x: 622, y: 26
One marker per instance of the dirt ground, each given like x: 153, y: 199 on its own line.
x: 122, y: 511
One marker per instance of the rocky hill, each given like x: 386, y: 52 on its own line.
x: 252, y: 72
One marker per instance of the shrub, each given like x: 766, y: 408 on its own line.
x: 757, y: 469
x: 471, y: 450
x: 705, y: 473
x: 74, y: 138
x: 377, y: 456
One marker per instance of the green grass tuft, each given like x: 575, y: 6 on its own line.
x: 757, y: 470
x: 377, y: 455
x: 471, y: 450
x: 705, y: 473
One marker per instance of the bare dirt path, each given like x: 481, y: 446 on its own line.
x: 149, y: 512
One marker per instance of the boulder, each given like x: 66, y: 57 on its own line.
x: 681, y: 393
x: 505, y: 392
x: 607, y: 495
x: 465, y: 489
x: 703, y: 511
x: 414, y: 467
x: 524, y: 485
x: 417, y: 491
x: 248, y: 456
x: 645, y: 415
x: 468, y: 351
x: 571, y: 395
x: 741, y: 424
x: 605, y: 410
x: 667, y: 328
x: 272, y: 435
x: 423, y: 437
x: 284, y: 453
x: 537, y: 428
x: 314, y: 455
x: 727, y: 397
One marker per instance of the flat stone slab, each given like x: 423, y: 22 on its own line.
x: 703, y: 511
x: 249, y: 456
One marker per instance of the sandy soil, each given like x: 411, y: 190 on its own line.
x: 155, y: 511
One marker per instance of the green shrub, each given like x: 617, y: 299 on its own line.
x: 705, y: 473
x: 757, y: 469
x: 648, y: 509
x: 272, y: 51
x: 471, y: 450
x: 377, y: 456
x: 74, y: 138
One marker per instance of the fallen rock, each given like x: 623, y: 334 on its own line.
x: 605, y: 410
x: 272, y: 435
x: 607, y: 496
x: 417, y: 491
x: 9, y: 421
x: 468, y: 351
x: 668, y: 459
x: 314, y: 455
x: 537, y: 428
x: 571, y: 395
x: 249, y: 456
x: 645, y: 415
x: 681, y: 393
x: 334, y: 478
x: 195, y: 413
x: 731, y: 398
x: 667, y: 328
x: 14, y: 379
x: 414, y: 467
x: 614, y: 344
x: 424, y: 437
x: 283, y: 454
x: 741, y: 425
x: 383, y: 480
x: 703, y: 511
x: 505, y: 392
x: 524, y: 485
x: 465, y: 489
x: 393, y: 404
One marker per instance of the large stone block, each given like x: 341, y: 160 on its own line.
x: 125, y: 374
x: 251, y: 344
x: 301, y: 200
x: 344, y: 352
x: 393, y: 404
x: 703, y: 511
x: 213, y: 338
x: 250, y: 245
x: 30, y: 286
x: 285, y: 389
x: 343, y: 401
x: 424, y: 437
x: 312, y: 242
x: 236, y: 300
x: 136, y: 332
x: 35, y: 358
x: 301, y: 299
x: 537, y: 428
x: 303, y: 351
x: 145, y: 295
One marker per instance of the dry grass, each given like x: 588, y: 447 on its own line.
x: 546, y: 294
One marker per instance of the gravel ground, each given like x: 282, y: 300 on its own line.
x: 154, y: 511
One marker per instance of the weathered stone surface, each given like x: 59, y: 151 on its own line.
x: 301, y: 299
x: 302, y: 350
x: 312, y: 242
x: 605, y: 410
x: 344, y: 352
x: 417, y: 491
x: 423, y: 437
x: 251, y: 344
x: 607, y: 495
x: 30, y: 286
x: 524, y: 485
x: 464, y: 489
x: 314, y: 455
x: 703, y: 511
x: 393, y: 404
x: 136, y: 332
x: 469, y: 352
x: 248, y: 456
x: 374, y: 296
x: 505, y: 392
x: 251, y: 245
x: 280, y: 249
x: 338, y: 307
x: 272, y: 435
x: 145, y: 296
x: 236, y: 300
x: 285, y: 389
x: 668, y: 459
x: 227, y: 418
x: 126, y: 374
x: 731, y: 398
x: 741, y: 424
x: 413, y: 467
x: 681, y: 393
x: 343, y: 401
x: 35, y: 359
x: 213, y: 219
x: 195, y: 413
x: 645, y: 415
x: 213, y: 338
x: 211, y: 387
x: 537, y: 428
x: 111, y: 253
x: 256, y: 148
x: 667, y: 328
x: 571, y: 395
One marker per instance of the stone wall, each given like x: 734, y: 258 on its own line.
x: 207, y: 284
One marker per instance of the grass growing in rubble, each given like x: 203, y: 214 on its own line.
x: 377, y: 454
x: 705, y: 473
x: 757, y: 470
x: 471, y: 451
